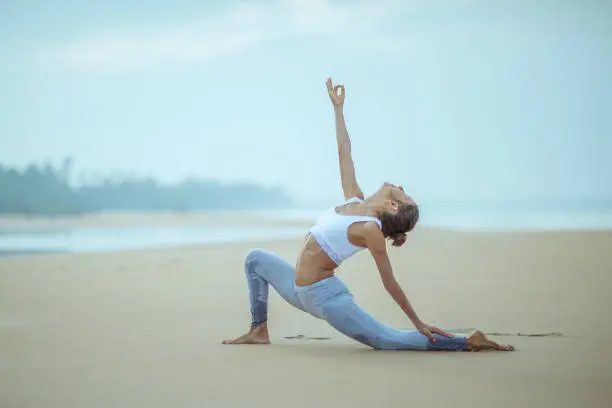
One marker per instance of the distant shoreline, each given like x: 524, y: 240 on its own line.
x: 450, y: 219
x: 19, y: 253
x: 120, y: 232
x: 151, y: 219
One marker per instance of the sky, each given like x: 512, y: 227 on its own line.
x: 454, y: 99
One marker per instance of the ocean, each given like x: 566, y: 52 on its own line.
x: 13, y: 242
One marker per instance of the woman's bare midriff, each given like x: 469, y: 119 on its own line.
x: 313, y: 263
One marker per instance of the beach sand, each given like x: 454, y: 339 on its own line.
x: 144, y: 328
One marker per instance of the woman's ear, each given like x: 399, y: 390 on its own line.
x: 391, y: 205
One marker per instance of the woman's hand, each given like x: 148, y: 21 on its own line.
x: 336, y: 97
x: 429, y: 331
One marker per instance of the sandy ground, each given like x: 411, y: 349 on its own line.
x: 144, y: 328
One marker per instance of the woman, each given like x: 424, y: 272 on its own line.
x: 312, y: 287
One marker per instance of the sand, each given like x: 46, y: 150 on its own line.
x: 144, y: 328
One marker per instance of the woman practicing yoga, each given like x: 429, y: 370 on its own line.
x: 312, y: 286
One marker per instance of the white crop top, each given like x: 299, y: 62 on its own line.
x: 331, y: 232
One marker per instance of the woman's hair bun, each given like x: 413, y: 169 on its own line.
x: 398, y: 239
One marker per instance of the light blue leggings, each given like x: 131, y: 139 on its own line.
x: 330, y: 300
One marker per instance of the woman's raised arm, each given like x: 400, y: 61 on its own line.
x: 347, y: 167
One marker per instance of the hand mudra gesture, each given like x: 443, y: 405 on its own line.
x: 336, y: 93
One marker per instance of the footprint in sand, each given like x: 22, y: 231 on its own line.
x: 302, y: 337
x: 541, y: 334
x: 551, y: 334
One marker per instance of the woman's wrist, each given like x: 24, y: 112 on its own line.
x: 416, y: 321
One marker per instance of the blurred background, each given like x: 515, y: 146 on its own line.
x: 491, y: 114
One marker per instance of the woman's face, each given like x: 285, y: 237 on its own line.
x: 395, y: 193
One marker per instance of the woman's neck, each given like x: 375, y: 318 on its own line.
x: 374, y: 206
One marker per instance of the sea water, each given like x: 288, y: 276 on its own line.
x: 124, y: 238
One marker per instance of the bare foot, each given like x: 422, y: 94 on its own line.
x: 478, y: 341
x: 258, y: 335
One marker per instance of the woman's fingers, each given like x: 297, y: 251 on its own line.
x: 341, y: 95
x: 336, y: 93
x: 441, y: 332
x: 332, y: 91
x: 428, y: 333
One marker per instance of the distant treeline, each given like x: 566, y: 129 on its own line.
x: 46, y: 190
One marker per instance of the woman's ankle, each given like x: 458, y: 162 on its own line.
x: 261, y: 327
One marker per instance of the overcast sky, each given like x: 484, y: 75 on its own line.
x: 454, y: 99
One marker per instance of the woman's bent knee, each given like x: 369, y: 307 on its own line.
x: 255, y: 254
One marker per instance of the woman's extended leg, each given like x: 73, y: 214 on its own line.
x: 342, y: 313
x: 263, y: 268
